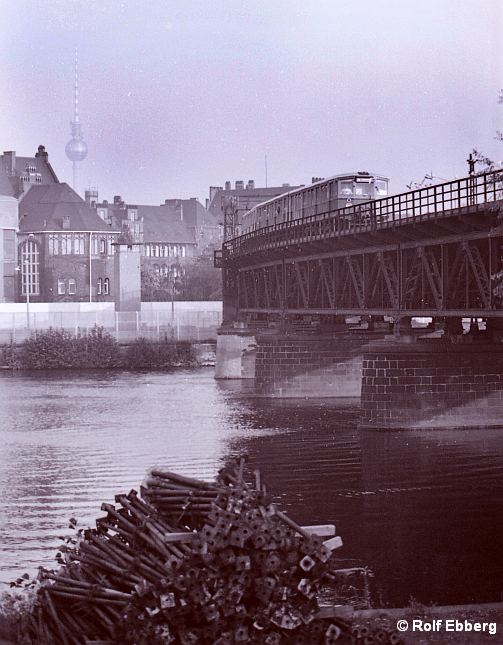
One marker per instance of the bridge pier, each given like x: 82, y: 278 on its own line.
x: 235, y: 353
x: 311, y: 365
x: 432, y: 384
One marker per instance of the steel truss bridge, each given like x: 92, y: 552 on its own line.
x: 436, y: 251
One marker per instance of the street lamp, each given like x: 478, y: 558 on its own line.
x: 27, y: 286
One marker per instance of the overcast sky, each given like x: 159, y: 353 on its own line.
x: 179, y: 95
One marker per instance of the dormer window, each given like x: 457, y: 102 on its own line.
x: 66, y: 221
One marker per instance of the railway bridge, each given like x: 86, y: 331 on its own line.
x: 324, y: 305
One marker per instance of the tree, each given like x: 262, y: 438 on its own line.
x: 201, y: 281
x: 499, y: 134
x: 488, y: 164
x: 161, y: 288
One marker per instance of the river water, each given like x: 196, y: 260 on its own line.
x: 423, y: 509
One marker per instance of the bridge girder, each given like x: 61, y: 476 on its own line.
x: 437, y: 279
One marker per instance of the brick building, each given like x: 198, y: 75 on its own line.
x: 17, y: 176
x: 65, y: 249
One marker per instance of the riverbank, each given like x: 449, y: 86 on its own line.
x: 58, y: 349
x: 433, y: 624
x: 12, y: 627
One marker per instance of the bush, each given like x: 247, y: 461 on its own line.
x: 60, y: 349
x: 15, y: 610
x: 97, y: 349
x: 145, y: 354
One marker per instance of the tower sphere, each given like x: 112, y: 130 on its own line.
x: 76, y: 149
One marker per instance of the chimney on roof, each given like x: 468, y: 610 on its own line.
x: 228, y: 185
x: 9, y: 160
x: 42, y: 153
x: 91, y: 196
x: 240, y: 184
x: 213, y: 191
x: 250, y: 185
x: 117, y: 199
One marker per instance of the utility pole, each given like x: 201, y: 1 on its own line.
x: 230, y: 209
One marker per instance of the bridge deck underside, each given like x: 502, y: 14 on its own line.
x: 449, y: 266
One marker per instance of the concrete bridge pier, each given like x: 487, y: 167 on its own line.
x: 235, y: 353
x: 432, y: 383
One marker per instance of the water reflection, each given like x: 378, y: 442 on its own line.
x: 423, y: 509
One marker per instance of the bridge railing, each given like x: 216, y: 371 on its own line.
x: 426, y: 203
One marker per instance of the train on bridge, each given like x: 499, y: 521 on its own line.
x: 319, y: 198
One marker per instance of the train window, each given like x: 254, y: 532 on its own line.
x: 381, y: 188
x: 346, y: 187
x: 362, y: 189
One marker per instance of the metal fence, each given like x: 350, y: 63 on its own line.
x: 125, y: 326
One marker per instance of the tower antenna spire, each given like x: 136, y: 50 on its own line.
x: 76, y: 116
x: 76, y: 148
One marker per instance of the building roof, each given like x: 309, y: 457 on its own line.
x: 163, y: 224
x: 182, y: 221
x: 13, y: 167
x: 194, y: 213
x: 44, y: 208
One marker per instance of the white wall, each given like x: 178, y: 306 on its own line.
x: 88, y: 307
x: 201, y: 306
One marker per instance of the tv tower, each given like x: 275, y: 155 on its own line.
x: 76, y: 148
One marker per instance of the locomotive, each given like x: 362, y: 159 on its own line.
x: 318, y: 198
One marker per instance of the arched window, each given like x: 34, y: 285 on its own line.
x: 30, y: 269
x: 106, y: 286
x: 164, y: 270
x: 156, y: 269
x: 103, y: 245
x: 100, y: 286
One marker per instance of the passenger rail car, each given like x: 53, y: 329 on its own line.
x: 319, y: 198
